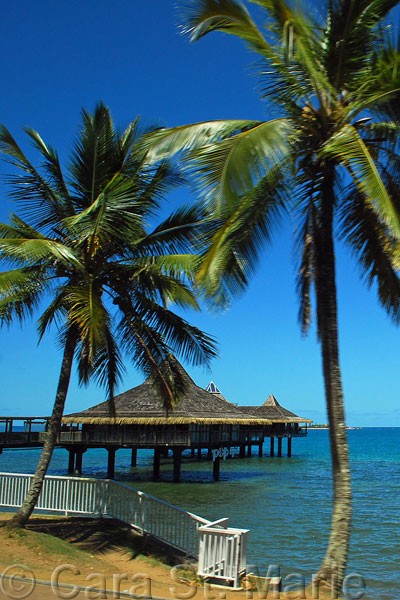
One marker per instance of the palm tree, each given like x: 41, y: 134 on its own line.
x: 331, y: 77
x: 80, y: 252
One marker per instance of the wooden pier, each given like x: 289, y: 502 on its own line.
x: 203, y: 423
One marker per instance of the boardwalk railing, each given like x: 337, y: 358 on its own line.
x: 220, y: 550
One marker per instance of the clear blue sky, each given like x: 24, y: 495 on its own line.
x: 60, y: 56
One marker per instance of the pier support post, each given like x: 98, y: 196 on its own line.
x: 156, y: 464
x: 249, y: 450
x: 242, y: 452
x: 289, y: 446
x: 111, y: 463
x: 177, y: 464
x: 260, y: 449
x: 272, y: 447
x: 79, y: 459
x: 134, y: 457
x: 216, y: 468
x: 209, y: 453
x: 71, y: 460
x: 193, y: 452
x: 279, y: 446
x: 199, y: 453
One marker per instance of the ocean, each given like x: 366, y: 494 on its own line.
x: 284, y: 502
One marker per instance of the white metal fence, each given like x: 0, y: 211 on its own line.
x: 220, y: 550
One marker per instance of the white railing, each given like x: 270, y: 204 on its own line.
x: 220, y: 550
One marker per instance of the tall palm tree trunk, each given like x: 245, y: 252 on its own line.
x: 332, y: 570
x: 21, y: 517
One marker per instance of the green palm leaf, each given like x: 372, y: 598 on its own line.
x: 202, y: 17
x: 164, y: 143
x: 347, y: 147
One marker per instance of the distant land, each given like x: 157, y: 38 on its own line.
x: 326, y: 426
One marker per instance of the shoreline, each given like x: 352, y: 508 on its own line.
x: 67, y: 565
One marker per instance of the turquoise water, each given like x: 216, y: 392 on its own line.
x: 285, y: 503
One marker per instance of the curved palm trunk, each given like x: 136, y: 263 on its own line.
x: 21, y: 517
x: 332, y: 570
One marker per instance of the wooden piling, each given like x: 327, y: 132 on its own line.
x: 156, y: 464
x: 279, y: 446
x: 177, y: 452
x: 111, y: 463
x: 216, y: 468
x: 272, y: 447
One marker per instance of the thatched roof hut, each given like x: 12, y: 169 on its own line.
x: 144, y: 405
x: 271, y: 409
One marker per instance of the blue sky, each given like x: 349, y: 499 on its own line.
x: 58, y: 57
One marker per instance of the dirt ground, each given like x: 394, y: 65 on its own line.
x: 80, y: 558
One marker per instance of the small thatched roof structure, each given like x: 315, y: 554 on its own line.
x: 271, y: 409
x: 144, y: 405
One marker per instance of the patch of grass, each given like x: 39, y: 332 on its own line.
x: 152, y: 561
x: 48, y: 545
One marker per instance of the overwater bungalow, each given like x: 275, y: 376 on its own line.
x: 284, y: 423
x: 200, y: 421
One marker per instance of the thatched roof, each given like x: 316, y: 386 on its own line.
x: 271, y: 409
x: 144, y: 405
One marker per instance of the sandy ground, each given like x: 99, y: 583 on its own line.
x: 86, y: 558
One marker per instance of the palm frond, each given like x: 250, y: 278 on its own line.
x: 53, y: 168
x: 347, y: 147
x: 33, y: 251
x: 113, y: 215
x: 306, y: 271
x: 162, y: 144
x: 203, y: 16
x: 374, y: 249
x: 351, y: 36
x: 164, y: 287
x: 377, y: 86
x: 185, y: 340
x: 177, y: 234
x: 232, y: 252
x: 39, y: 202
x: 228, y: 170
x: 21, y: 291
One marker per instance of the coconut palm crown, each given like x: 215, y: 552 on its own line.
x: 330, y: 155
x: 81, y: 252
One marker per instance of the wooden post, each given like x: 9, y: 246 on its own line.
x: 199, y: 453
x: 216, y: 468
x: 289, y: 446
x: 249, y: 450
x: 134, y: 457
x: 111, y: 463
x: 193, y: 452
x: 279, y: 446
x: 177, y: 464
x: 156, y: 464
x: 272, y: 447
x: 71, y: 460
x: 242, y: 453
x: 209, y: 453
x: 260, y: 449
x: 78, y: 460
